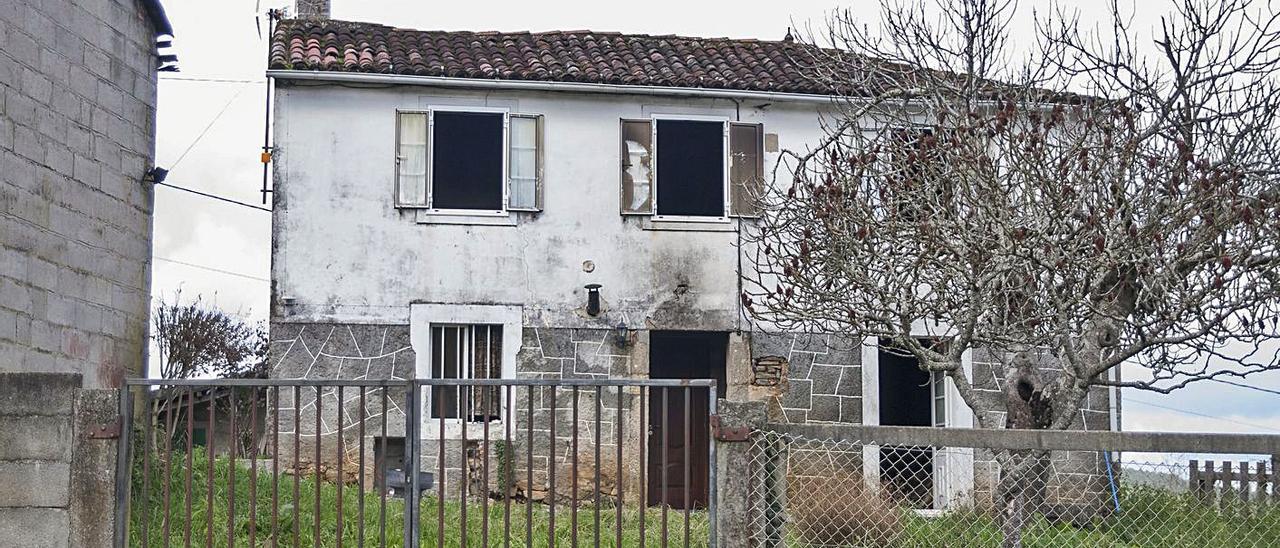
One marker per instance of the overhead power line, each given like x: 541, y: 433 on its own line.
x: 1186, y: 412
x: 1250, y: 387
x: 207, y: 127
x: 212, y: 80
x: 211, y: 269
x: 215, y: 197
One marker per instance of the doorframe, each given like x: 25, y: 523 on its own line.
x: 953, y: 466
x: 715, y: 392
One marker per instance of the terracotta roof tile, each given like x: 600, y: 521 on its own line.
x: 557, y: 56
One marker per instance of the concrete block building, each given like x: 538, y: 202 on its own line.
x: 77, y: 134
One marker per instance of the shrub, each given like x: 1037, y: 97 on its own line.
x: 837, y: 509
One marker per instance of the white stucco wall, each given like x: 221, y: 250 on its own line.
x: 342, y: 252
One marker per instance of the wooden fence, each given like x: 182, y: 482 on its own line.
x: 1241, y: 480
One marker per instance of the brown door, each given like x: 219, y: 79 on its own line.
x: 679, y: 434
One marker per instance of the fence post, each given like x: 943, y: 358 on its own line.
x: 1193, y: 482
x: 1244, y: 481
x: 1275, y: 478
x: 775, y: 490
x: 123, y: 467
x: 412, y: 449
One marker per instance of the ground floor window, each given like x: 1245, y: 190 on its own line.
x: 465, y: 352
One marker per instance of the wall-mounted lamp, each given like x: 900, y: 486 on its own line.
x: 156, y: 175
x: 593, y: 299
x: 622, y: 335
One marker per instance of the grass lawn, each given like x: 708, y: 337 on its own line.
x: 151, y: 524
x: 1148, y: 517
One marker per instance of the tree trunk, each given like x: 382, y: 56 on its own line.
x: 1021, y: 491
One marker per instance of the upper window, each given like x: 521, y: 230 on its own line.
x: 695, y: 169
x: 468, y: 161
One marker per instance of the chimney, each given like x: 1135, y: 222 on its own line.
x: 312, y: 9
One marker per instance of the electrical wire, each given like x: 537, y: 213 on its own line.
x: 216, y: 197
x: 1239, y: 385
x: 207, y: 127
x: 210, y: 268
x: 211, y: 80
x: 1186, y: 412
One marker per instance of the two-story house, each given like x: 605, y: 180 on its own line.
x: 549, y: 205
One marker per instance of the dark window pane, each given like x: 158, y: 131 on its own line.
x: 466, y: 158
x: 690, y: 168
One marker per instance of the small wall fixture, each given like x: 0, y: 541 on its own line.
x: 593, y: 299
x: 622, y: 335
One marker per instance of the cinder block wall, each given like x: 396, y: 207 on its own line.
x: 77, y: 133
x: 57, y: 483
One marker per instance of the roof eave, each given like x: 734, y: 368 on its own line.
x: 539, y: 85
x: 159, y: 21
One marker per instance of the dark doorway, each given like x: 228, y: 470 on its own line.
x: 906, y: 399
x: 682, y: 355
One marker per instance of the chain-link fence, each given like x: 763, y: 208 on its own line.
x: 815, y: 492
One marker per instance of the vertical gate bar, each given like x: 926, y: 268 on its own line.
x: 340, y: 409
x: 315, y: 511
x: 484, y: 484
x: 528, y: 470
x: 618, y: 479
x: 123, y: 467
x: 662, y: 485
x: 146, y: 466
x: 360, y: 472
x: 508, y: 465
x: 713, y: 490
x: 297, y: 472
x: 187, y: 494
x: 382, y: 479
x: 253, y: 467
x: 275, y: 466
x: 596, y: 538
x: 643, y: 496
x: 231, y: 465
x: 210, y: 444
x: 464, y: 415
x: 168, y: 463
x: 440, y: 454
x: 551, y: 473
x: 688, y: 477
x: 413, y: 461
x: 573, y: 490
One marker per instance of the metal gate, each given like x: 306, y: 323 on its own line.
x: 528, y: 462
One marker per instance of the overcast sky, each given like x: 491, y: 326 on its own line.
x: 210, y: 134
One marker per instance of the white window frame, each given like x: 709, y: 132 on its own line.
x: 424, y: 316
x: 539, y: 161
x: 953, y: 467
x: 431, y: 140
x: 725, y: 160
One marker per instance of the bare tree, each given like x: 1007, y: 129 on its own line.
x: 1073, y: 197
x: 195, y: 338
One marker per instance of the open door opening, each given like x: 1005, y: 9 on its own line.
x: 907, y: 398
x: 679, y: 432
